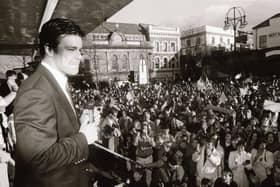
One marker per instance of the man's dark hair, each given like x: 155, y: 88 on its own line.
x: 53, y: 29
x: 10, y: 73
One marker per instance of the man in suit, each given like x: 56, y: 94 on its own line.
x: 52, y: 144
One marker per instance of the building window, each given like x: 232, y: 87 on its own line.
x: 125, y: 63
x: 164, y: 46
x: 173, y: 63
x: 198, y: 41
x: 157, y: 46
x: 165, y: 62
x: 188, y: 43
x: 173, y: 46
x: 157, y: 63
x: 263, y: 41
x: 228, y: 41
x: 115, y: 65
x: 213, y: 40
x: 95, y: 63
x: 221, y: 40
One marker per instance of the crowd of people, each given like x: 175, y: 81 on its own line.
x: 187, y: 134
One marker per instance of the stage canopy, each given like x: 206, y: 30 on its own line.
x: 21, y: 20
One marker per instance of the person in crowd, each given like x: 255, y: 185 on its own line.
x: 208, y: 160
x: 7, y: 87
x: 216, y: 140
x: 52, y: 147
x: 144, y: 144
x: 252, y: 141
x: 165, y: 135
x: 238, y: 161
x: 188, y: 164
x: 156, y: 130
x: 226, y: 180
x: 163, y: 153
x: 172, y: 173
x: 125, y: 122
x: 205, y: 182
x: 227, y: 145
x: 235, y: 141
x: 150, y: 123
x: 272, y: 143
x: 5, y: 154
x: 111, y: 132
x: 262, y: 161
x: 138, y: 178
x: 272, y: 180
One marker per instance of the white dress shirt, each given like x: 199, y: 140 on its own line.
x: 62, y: 81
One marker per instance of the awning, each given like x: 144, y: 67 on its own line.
x: 21, y: 20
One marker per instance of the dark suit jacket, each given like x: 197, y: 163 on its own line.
x: 50, y: 151
x: 4, y: 91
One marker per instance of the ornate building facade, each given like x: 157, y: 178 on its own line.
x: 165, y: 61
x: 113, y: 50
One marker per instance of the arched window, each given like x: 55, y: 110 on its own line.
x: 156, y: 66
x: 172, y: 63
x: 165, y: 62
x: 115, y: 65
x: 125, y: 63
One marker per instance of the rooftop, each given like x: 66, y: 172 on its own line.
x: 266, y: 22
x: 125, y: 28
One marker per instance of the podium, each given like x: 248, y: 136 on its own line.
x: 109, y: 167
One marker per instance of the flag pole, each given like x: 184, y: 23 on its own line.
x: 118, y: 155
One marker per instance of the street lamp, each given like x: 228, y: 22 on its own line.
x: 234, y: 17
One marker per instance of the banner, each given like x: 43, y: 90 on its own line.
x: 143, y: 73
x: 219, y: 109
x: 204, y: 85
x: 271, y: 106
x: 222, y: 98
x: 243, y: 91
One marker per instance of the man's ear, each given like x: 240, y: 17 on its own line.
x: 48, y: 50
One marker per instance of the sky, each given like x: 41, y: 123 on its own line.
x: 191, y: 13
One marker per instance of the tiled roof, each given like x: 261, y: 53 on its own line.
x: 266, y: 22
x: 125, y: 28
